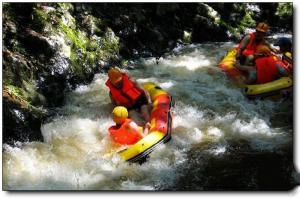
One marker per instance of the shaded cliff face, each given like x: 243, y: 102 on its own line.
x: 50, y: 48
x: 154, y: 28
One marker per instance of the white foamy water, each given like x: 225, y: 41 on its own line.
x: 77, y: 153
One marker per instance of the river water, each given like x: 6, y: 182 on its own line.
x: 220, y: 139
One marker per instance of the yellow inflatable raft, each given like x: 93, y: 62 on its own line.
x: 266, y: 90
x: 161, y: 125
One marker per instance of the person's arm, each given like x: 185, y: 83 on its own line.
x: 147, y: 128
x: 243, y: 46
x: 142, y: 131
x: 273, y: 49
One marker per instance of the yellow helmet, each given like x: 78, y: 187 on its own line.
x: 262, y: 27
x: 114, y: 75
x: 289, y: 55
x: 119, y: 114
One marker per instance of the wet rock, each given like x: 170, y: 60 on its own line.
x: 21, y: 120
x: 10, y: 27
x: 15, y: 68
x: 53, y: 87
x: 37, y: 42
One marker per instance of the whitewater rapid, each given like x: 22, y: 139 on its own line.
x: 210, y: 113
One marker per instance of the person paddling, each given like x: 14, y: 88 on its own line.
x: 126, y: 92
x: 247, y: 47
x: 126, y: 131
x: 267, y: 67
x: 285, y: 51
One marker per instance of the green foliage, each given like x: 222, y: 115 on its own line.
x: 8, y: 13
x: 66, y: 6
x: 124, y: 63
x: 284, y: 10
x: 247, y: 20
x: 239, y: 7
x: 284, y: 13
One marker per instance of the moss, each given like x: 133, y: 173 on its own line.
x: 92, y: 45
x: 14, y: 90
x: 40, y: 19
x: 78, y: 39
x: 110, y: 47
x: 18, y: 92
x: 84, y: 51
x: 31, y: 94
x: 90, y: 50
x: 14, y: 95
x: 111, y: 42
x: 76, y: 63
x: 91, y: 57
x: 79, y: 43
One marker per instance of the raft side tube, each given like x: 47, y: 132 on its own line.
x: 282, y: 83
x: 142, y: 148
x: 142, y: 145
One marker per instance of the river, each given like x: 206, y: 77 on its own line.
x: 220, y: 139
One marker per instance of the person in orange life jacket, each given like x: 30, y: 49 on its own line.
x: 248, y: 45
x: 126, y: 92
x: 267, y: 67
x: 126, y: 131
x: 285, y: 51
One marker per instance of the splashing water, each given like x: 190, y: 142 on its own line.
x: 212, y: 118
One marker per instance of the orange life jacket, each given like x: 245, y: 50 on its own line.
x: 126, y: 134
x: 266, y: 70
x: 127, y: 95
x: 251, y: 47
